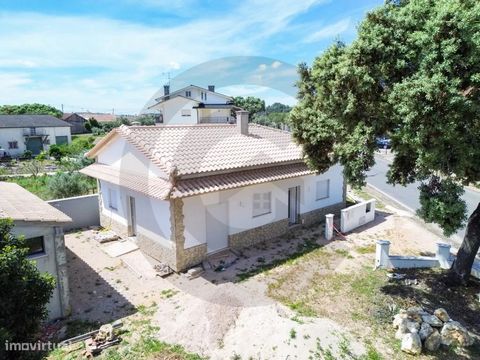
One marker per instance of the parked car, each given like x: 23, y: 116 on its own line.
x: 384, y: 142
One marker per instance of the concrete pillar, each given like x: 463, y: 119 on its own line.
x: 329, y: 227
x: 62, y: 271
x: 382, y: 254
x: 443, y: 255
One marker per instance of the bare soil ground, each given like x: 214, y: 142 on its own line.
x: 296, y: 297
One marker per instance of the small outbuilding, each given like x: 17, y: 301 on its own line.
x: 42, y: 227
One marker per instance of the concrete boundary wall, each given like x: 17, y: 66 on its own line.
x: 357, y: 215
x: 83, y: 210
x: 443, y: 259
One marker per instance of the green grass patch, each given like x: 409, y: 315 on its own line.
x: 168, y: 293
x: 367, y: 249
x: 302, y: 309
x: 344, y: 253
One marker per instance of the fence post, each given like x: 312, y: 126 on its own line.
x: 329, y: 227
x: 382, y: 254
x: 443, y: 255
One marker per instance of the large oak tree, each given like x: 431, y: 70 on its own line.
x: 412, y: 73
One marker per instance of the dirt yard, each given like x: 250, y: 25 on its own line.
x: 295, y: 297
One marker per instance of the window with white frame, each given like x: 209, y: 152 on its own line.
x: 262, y: 203
x: 13, y: 144
x: 186, y: 112
x: 322, y: 189
x: 112, y: 199
x: 188, y: 93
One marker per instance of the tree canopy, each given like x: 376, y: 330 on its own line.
x: 412, y: 73
x: 251, y: 104
x: 30, y: 109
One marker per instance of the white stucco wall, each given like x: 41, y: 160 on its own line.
x: 44, y: 262
x: 153, y: 216
x: 121, y: 155
x: 211, y: 97
x: 357, y: 215
x: 172, y: 111
x: 16, y: 134
x: 240, y: 204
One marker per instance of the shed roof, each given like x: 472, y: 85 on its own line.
x: 21, y: 205
x: 24, y: 121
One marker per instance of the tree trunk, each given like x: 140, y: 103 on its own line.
x: 462, y: 266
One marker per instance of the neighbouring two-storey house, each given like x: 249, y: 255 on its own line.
x: 35, y: 133
x: 184, y: 192
x: 193, y: 105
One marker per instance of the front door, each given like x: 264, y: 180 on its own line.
x: 217, y: 227
x: 35, y: 145
x: 132, y: 217
x: 293, y: 205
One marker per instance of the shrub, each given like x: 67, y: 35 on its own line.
x: 56, y: 151
x: 25, y: 293
x: 63, y: 185
x: 27, y: 154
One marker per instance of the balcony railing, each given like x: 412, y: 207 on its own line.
x: 34, y: 132
x: 216, y: 120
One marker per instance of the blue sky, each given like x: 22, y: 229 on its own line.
x: 103, y: 55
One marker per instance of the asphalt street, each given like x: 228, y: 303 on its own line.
x: 408, y: 195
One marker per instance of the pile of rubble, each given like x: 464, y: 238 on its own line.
x: 419, y: 330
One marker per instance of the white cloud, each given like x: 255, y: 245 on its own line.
x: 98, y: 61
x: 276, y: 64
x: 262, y: 67
x: 329, y: 31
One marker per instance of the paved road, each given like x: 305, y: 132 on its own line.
x: 408, y: 195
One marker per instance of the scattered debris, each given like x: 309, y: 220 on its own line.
x: 103, y: 237
x: 163, y: 270
x: 194, y: 272
x: 104, y: 338
x: 396, y: 276
x: 114, y: 325
x: 415, y: 326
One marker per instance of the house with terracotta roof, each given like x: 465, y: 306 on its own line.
x: 187, y: 191
x: 193, y: 105
x: 41, y: 225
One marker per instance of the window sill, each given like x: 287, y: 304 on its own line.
x: 256, y: 216
x: 326, y: 197
x: 37, y: 256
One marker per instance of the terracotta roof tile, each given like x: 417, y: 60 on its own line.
x: 149, y: 185
x: 203, y: 148
x: 21, y: 205
x: 196, y: 186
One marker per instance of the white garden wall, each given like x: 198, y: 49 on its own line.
x: 357, y: 215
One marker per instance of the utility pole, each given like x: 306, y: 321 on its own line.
x: 62, y: 108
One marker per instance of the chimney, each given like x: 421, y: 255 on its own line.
x: 242, y: 122
x: 211, y: 88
